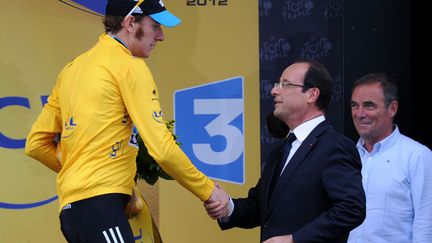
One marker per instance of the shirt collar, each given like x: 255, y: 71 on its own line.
x: 381, y: 145
x: 108, y: 39
x: 303, y: 130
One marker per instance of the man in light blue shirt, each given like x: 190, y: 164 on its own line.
x: 397, y: 170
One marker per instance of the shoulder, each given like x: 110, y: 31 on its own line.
x: 334, y: 145
x: 411, y: 143
x: 129, y: 68
x: 411, y: 148
x: 117, y: 58
x: 139, y: 66
x: 333, y: 138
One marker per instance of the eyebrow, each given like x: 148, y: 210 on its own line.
x: 368, y: 103
x: 365, y: 103
x: 288, y: 81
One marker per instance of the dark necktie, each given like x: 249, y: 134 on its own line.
x: 279, y: 166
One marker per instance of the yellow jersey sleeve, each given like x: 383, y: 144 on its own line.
x: 40, y: 143
x: 141, y: 98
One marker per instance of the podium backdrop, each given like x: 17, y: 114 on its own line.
x: 207, y: 72
x: 214, y: 73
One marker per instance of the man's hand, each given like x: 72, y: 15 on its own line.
x: 217, y: 204
x: 280, y: 239
x: 135, y: 203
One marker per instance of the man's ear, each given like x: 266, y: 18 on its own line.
x: 393, y: 107
x: 314, y: 93
x: 128, y: 22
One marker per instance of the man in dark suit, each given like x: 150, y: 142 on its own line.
x: 311, y: 188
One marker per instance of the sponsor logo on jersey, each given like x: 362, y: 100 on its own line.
x: 158, y: 116
x: 133, y: 141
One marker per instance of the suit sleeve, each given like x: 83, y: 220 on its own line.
x: 341, y: 178
x: 246, y: 211
x: 141, y: 98
x: 40, y: 143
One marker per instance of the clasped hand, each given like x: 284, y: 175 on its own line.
x: 217, y: 204
x: 280, y: 239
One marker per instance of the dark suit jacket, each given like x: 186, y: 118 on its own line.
x: 318, y: 198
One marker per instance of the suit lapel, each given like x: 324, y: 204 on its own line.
x: 296, y: 160
x: 268, y: 173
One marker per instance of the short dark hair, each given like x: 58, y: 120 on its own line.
x: 388, y: 85
x: 318, y: 76
x: 113, y: 24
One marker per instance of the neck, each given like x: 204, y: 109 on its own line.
x: 368, y: 146
x: 120, y: 38
x: 306, y: 117
x: 370, y: 141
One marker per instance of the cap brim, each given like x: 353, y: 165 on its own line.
x: 166, y: 18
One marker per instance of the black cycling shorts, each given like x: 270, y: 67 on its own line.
x: 97, y: 219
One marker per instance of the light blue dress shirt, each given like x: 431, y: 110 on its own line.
x: 397, y: 179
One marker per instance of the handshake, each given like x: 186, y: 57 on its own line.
x: 217, y: 206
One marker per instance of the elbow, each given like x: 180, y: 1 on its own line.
x: 360, y: 214
x: 30, y: 150
x: 43, y: 153
x: 362, y: 208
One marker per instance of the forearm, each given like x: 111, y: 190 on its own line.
x: 43, y: 148
x: 142, y: 102
x: 421, y: 194
x: 177, y: 165
x: 245, y: 212
x: 40, y: 143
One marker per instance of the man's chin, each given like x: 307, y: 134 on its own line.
x: 362, y: 131
x: 277, y: 113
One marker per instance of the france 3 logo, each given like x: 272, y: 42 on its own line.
x: 209, y: 123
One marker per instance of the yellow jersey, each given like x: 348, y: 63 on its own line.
x: 98, y: 100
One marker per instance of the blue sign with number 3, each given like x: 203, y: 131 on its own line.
x: 209, y: 123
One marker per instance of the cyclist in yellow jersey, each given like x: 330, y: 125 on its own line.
x: 98, y: 100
